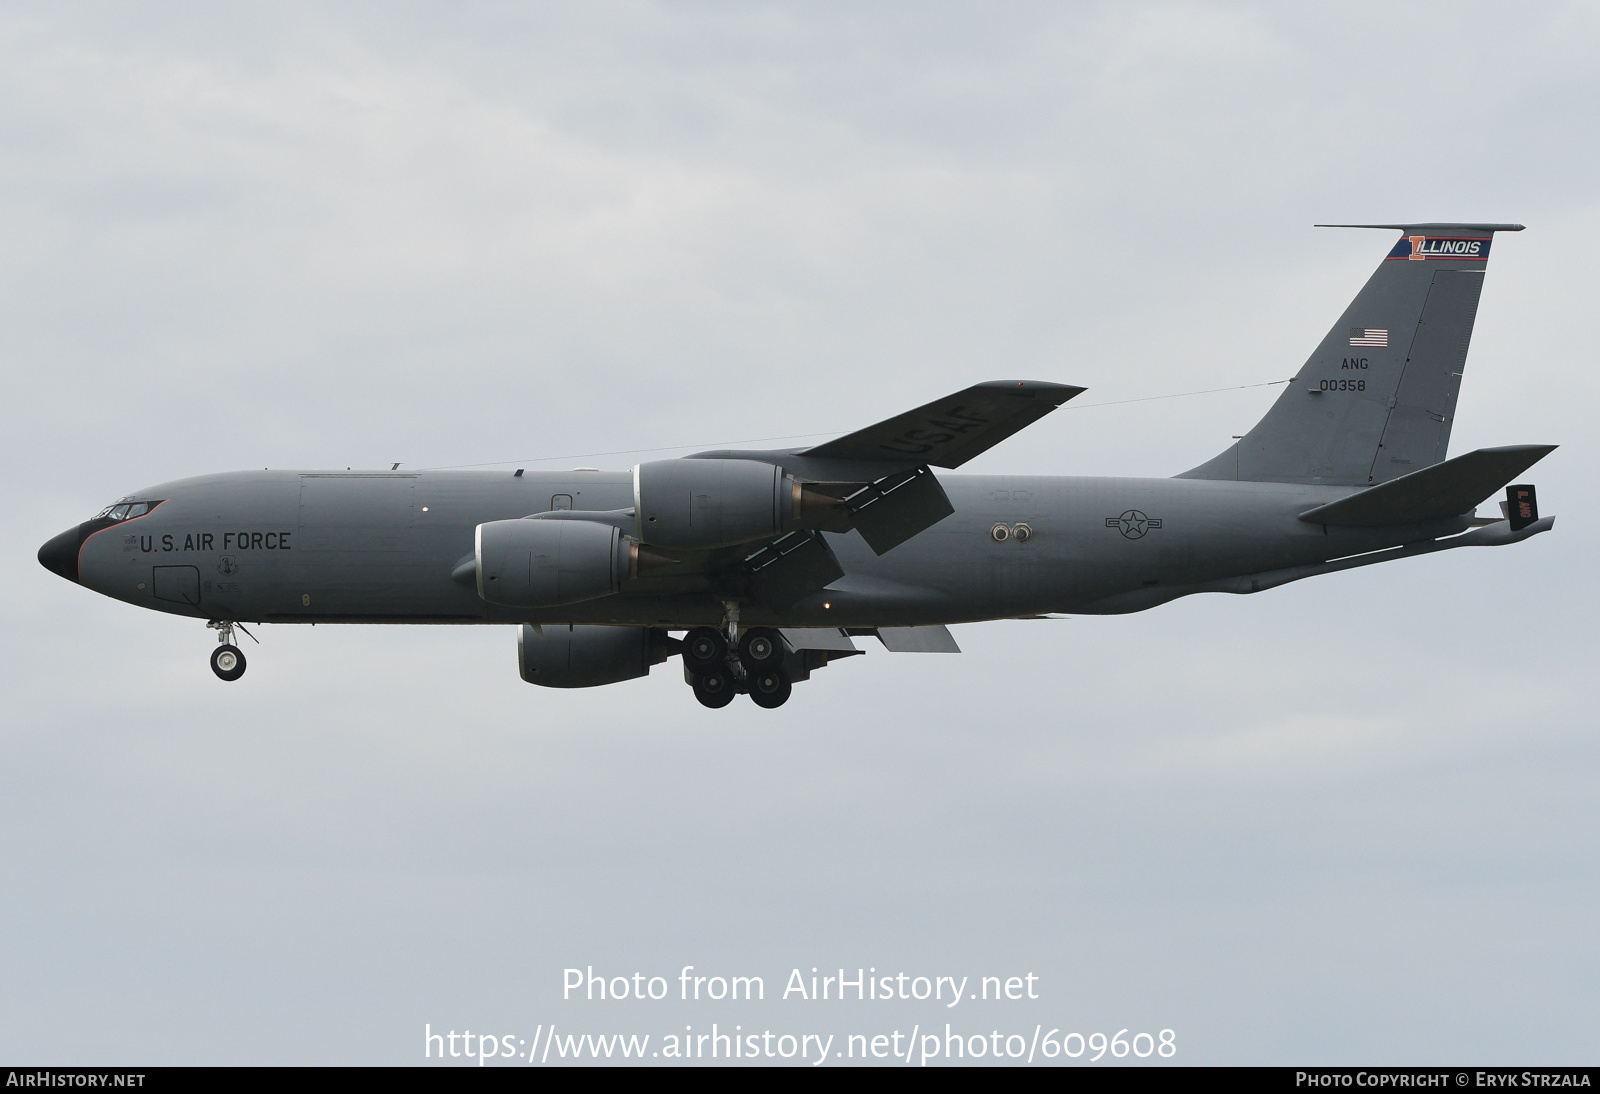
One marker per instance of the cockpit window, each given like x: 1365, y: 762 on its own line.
x: 125, y: 510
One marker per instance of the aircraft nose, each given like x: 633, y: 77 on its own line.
x: 60, y: 555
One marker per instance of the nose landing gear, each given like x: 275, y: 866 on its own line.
x: 227, y: 660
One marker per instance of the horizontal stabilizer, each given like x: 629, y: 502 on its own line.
x: 1435, y: 226
x: 952, y: 430
x: 1444, y: 490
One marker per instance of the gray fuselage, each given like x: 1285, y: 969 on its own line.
x: 345, y: 546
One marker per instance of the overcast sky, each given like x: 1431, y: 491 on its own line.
x: 1349, y: 820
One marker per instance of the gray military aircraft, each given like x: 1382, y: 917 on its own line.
x: 773, y: 561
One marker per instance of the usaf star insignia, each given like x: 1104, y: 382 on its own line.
x: 1133, y: 524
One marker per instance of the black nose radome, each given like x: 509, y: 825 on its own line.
x: 60, y: 555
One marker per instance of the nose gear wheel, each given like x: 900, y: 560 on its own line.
x: 227, y: 662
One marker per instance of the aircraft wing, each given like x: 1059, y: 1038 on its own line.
x: 950, y: 431
x: 877, y: 481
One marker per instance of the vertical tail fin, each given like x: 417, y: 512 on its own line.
x: 1376, y: 399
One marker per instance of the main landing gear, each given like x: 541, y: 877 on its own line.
x: 757, y: 669
x: 770, y: 688
x: 227, y: 660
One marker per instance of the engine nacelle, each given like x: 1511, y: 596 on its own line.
x: 585, y: 657
x: 544, y: 563
x: 712, y: 503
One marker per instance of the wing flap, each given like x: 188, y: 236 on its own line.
x: 935, y: 639
x: 790, y: 568
x: 895, y: 508
x: 818, y: 638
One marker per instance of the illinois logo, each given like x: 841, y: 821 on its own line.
x: 1420, y: 248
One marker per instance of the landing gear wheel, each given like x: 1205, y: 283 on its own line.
x: 704, y: 649
x: 714, y: 689
x: 227, y: 662
x: 770, y: 688
x: 761, y: 649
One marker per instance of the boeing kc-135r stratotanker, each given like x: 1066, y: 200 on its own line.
x: 773, y: 561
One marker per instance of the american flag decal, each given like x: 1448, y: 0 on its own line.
x: 1369, y: 336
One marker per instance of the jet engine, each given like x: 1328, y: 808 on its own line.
x: 712, y: 503
x: 543, y: 563
x: 584, y: 657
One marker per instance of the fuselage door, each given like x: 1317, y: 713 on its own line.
x: 561, y: 501
x: 176, y: 584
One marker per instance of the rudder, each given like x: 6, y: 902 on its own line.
x: 1376, y: 399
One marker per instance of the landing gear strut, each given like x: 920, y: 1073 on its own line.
x: 227, y: 660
